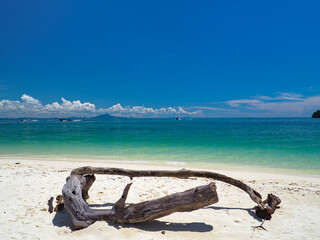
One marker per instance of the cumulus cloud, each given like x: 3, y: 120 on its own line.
x: 68, y: 107
x: 28, y: 103
x: 30, y: 100
x: 141, y: 111
x: 280, y: 105
x: 7, y: 105
x: 31, y: 107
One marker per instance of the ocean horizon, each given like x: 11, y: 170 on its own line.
x: 282, y: 143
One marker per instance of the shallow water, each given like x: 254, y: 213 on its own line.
x: 291, y: 143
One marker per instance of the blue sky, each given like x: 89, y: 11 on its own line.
x: 210, y: 58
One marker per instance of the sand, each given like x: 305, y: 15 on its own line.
x: 27, y: 184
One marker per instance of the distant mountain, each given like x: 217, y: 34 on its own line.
x: 316, y: 114
x: 104, y: 117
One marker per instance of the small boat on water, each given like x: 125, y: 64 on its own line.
x: 26, y: 120
x: 178, y: 118
x: 65, y: 119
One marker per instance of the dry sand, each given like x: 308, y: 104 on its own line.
x: 27, y: 186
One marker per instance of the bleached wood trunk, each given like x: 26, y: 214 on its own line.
x: 82, y: 215
x: 75, y: 192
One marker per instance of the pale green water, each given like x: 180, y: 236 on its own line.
x: 278, y: 143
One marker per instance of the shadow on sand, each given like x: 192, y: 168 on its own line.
x: 250, y: 211
x: 155, y: 226
x: 61, y: 219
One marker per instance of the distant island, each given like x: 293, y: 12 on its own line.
x: 99, y: 118
x: 316, y: 114
x: 104, y: 117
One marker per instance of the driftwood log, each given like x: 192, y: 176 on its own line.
x: 75, y: 193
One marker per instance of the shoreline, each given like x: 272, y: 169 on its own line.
x: 175, y: 164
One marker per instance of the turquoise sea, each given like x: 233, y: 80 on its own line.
x: 285, y: 143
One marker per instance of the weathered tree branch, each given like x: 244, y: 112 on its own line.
x: 254, y: 195
x: 75, y: 192
x: 50, y: 204
x: 119, y: 205
x: 82, y: 215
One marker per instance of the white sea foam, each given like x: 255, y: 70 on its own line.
x: 176, y: 163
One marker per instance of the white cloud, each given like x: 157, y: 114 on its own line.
x: 31, y: 107
x: 7, y: 105
x: 284, y: 105
x: 13, y: 108
x: 280, y: 105
x: 67, y: 106
x: 30, y: 100
x: 289, y: 96
x: 141, y: 111
x: 237, y: 103
x: 217, y: 109
x: 282, y: 96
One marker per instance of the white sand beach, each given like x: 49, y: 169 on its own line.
x: 27, y: 184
